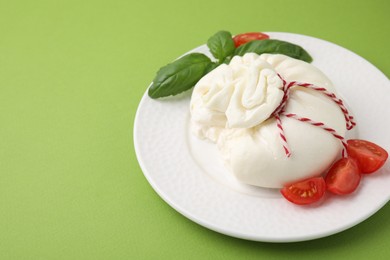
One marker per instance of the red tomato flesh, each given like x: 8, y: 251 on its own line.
x: 343, y: 177
x: 243, y: 38
x: 305, y: 192
x: 369, y: 156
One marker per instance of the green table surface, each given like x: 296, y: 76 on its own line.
x: 72, y: 74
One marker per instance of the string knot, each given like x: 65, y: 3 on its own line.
x: 280, y: 111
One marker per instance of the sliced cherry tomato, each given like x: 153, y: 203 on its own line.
x: 305, y: 192
x: 243, y: 38
x: 369, y: 156
x: 343, y: 177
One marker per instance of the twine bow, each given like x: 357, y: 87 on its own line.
x: 280, y: 111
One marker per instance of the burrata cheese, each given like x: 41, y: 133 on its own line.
x: 233, y: 107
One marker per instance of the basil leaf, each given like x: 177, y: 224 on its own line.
x: 221, y: 45
x: 211, y: 66
x: 180, y: 75
x: 274, y: 47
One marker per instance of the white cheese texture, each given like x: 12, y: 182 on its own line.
x: 232, y: 106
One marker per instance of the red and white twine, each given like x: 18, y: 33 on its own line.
x: 280, y: 111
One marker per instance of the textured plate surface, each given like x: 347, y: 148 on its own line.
x: 188, y: 175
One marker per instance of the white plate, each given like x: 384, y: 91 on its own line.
x: 178, y: 167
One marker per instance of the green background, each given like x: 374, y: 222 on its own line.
x: 71, y: 76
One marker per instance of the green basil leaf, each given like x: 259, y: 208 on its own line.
x: 274, y: 47
x: 211, y: 66
x: 180, y: 75
x: 221, y: 45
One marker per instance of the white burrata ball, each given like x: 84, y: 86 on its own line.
x: 233, y: 107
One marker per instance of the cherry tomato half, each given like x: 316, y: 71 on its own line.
x: 369, y: 156
x: 343, y: 177
x: 243, y: 38
x: 305, y: 192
